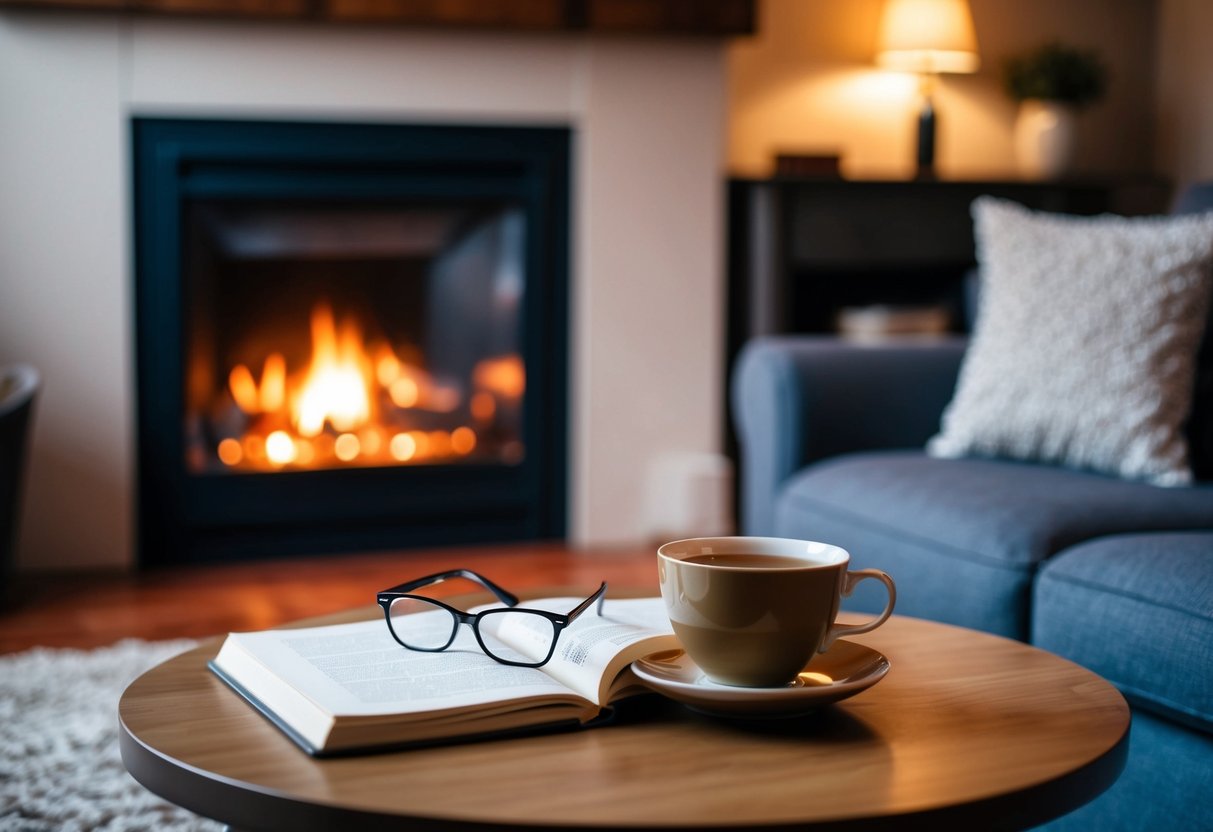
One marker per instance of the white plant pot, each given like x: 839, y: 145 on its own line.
x: 1044, y: 139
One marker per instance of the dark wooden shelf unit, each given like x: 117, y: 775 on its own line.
x: 671, y: 17
x: 800, y: 250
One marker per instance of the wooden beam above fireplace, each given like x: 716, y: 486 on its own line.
x: 672, y: 17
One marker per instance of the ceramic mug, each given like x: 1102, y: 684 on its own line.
x: 752, y: 611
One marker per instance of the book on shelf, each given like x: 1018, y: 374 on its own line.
x: 346, y: 688
x: 881, y: 322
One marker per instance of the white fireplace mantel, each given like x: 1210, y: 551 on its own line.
x: 648, y: 118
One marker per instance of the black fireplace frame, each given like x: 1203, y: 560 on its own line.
x: 185, y: 517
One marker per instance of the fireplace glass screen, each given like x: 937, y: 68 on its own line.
x: 324, y: 336
x: 348, y: 336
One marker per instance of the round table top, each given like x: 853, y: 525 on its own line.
x: 966, y: 727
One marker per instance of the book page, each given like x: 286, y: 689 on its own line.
x: 359, y: 670
x: 594, y: 649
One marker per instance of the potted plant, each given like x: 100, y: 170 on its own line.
x: 1051, y: 83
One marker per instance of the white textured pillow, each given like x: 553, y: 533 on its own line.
x: 1084, y: 350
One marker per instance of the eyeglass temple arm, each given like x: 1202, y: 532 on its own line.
x: 599, y: 596
x: 507, y: 598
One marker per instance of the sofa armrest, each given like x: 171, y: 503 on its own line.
x: 803, y: 398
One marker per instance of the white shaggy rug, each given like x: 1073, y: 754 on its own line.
x: 59, y: 762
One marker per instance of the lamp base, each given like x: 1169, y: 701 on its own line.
x: 926, y: 140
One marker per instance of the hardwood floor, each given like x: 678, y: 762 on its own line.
x: 94, y: 609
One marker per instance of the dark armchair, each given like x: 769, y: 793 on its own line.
x: 18, y: 387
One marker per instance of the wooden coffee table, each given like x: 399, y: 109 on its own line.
x: 967, y: 728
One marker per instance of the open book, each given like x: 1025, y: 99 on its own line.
x: 349, y: 687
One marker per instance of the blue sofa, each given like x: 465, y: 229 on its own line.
x: 1114, y: 575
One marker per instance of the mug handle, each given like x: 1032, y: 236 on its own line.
x: 849, y: 582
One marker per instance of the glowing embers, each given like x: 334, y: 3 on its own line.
x: 359, y: 402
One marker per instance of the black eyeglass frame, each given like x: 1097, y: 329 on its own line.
x: 559, y: 620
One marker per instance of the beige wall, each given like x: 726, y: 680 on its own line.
x: 1184, y: 150
x: 648, y: 116
x: 63, y: 290
x: 807, y: 83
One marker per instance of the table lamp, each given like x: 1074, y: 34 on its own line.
x: 927, y: 37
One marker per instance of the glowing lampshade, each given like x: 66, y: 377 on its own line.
x: 928, y: 36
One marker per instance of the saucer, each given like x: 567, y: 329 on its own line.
x: 844, y: 670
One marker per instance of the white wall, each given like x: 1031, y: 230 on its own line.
x: 647, y: 275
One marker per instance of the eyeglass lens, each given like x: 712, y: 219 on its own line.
x: 517, y: 636
x: 425, y: 626
x: 420, y: 624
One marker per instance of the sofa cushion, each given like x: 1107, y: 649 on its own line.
x: 1085, y: 345
x: 1163, y: 785
x: 1138, y: 610
x: 962, y: 538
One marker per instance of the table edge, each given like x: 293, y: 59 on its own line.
x: 245, y: 805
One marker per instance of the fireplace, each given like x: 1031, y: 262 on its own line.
x: 348, y: 336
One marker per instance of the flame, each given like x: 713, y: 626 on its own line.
x: 362, y: 403
x: 336, y: 388
x: 230, y: 452
x: 244, y: 389
x: 273, y: 383
x: 505, y: 376
x: 463, y: 440
x: 280, y: 448
x: 403, y: 447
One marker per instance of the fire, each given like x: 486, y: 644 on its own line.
x: 504, y: 376
x: 337, y: 388
x: 358, y: 401
x: 280, y: 448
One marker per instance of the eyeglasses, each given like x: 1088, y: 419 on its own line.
x: 511, y: 634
